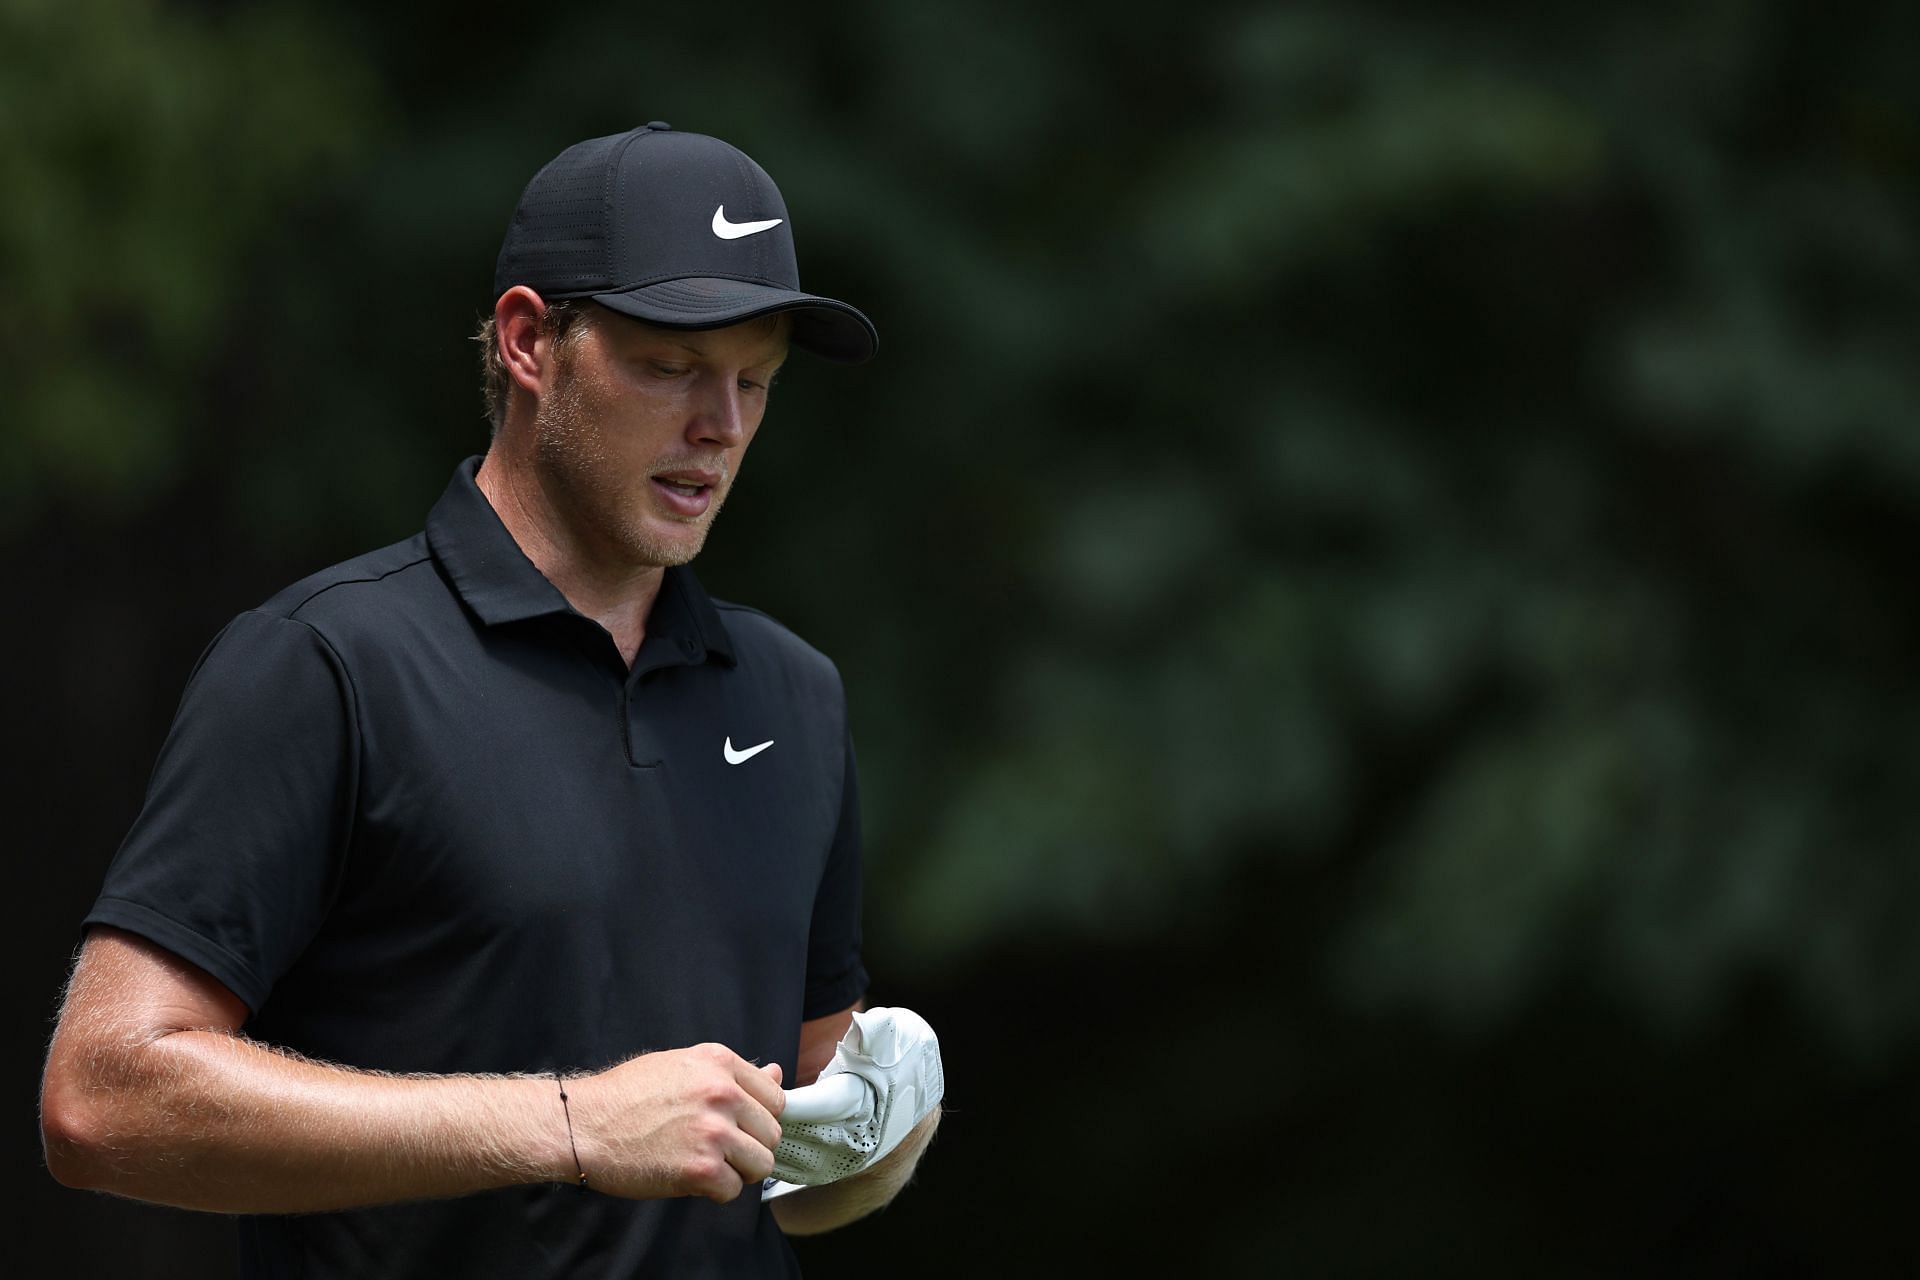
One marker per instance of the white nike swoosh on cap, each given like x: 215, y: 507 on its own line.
x: 734, y: 230
x: 736, y: 757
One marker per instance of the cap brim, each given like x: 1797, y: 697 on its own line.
x: 827, y: 328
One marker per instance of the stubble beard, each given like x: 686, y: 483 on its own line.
x: 600, y: 495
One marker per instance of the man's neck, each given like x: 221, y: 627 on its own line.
x: 617, y: 596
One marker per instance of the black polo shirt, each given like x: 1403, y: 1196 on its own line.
x: 418, y: 814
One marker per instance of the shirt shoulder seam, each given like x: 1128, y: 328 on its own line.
x: 351, y: 582
x: 354, y: 715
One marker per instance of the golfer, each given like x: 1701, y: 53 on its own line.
x: 492, y: 888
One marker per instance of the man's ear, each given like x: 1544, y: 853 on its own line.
x: 516, y: 328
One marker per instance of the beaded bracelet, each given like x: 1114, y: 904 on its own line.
x: 564, y: 1110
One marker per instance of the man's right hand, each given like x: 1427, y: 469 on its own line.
x: 682, y: 1122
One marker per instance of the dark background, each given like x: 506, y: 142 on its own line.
x: 1372, y: 568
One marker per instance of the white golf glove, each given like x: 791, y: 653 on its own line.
x: 884, y: 1078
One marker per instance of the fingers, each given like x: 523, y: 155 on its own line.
x: 717, y: 1181
x: 760, y: 1124
x: 748, y: 1144
x: 750, y: 1159
x: 763, y: 1086
x: 739, y: 1159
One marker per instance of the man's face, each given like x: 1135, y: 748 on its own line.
x: 641, y: 432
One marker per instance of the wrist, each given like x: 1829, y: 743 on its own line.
x: 545, y: 1155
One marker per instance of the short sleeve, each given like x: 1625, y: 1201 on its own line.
x: 836, y: 978
x: 237, y: 850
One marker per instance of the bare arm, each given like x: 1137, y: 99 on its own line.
x: 823, y: 1208
x: 151, y: 1092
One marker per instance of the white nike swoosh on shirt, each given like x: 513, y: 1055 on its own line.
x: 734, y: 230
x: 737, y: 757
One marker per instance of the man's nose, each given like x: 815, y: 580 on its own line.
x: 719, y: 414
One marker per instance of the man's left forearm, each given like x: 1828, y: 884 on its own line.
x: 817, y: 1209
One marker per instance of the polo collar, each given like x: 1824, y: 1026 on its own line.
x: 683, y: 616
x: 499, y: 584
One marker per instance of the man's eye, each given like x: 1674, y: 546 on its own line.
x: 668, y: 370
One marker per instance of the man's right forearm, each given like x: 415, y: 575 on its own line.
x: 152, y: 1092
x: 209, y: 1120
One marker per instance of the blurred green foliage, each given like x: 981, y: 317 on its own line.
x: 1268, y: 391
x: 148, y: 154
x: 1465, y: 456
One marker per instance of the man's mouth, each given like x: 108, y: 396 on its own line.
x: 687, y: 492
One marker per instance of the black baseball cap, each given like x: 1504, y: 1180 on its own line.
x: 676, y: 229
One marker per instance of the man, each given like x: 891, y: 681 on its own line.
x: 491, y: 886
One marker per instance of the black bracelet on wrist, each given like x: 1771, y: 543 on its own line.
x: 565, y: 1111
